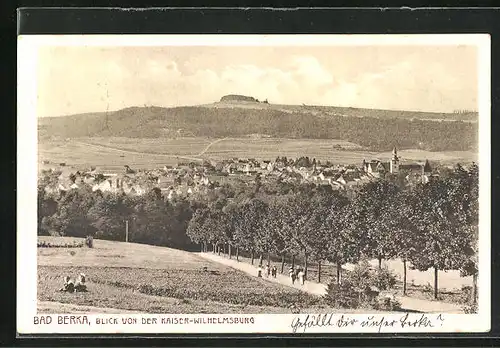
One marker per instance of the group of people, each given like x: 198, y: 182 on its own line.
x: 296, y: 273
x: 268, y: 271
x: 71, y: 286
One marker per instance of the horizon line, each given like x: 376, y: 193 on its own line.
x: 454, y: 112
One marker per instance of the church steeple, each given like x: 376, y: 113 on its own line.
x: 395, y: 153
x: 394, y: 164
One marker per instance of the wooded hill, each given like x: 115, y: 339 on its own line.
x: 374, y: 133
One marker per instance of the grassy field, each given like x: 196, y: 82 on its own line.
x: 114, y: 153
x: 159, y: 280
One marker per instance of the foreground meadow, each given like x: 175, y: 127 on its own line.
x: 152, y: 279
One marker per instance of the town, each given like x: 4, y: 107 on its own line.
x: 186, y: 179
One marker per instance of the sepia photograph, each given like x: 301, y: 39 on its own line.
x: 228, y: 179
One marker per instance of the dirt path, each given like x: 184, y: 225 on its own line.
x: 62, y: 308
x: 210, y: 145
x: 310, y: 287
x: 407, y: 303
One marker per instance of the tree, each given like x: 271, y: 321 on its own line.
x: 296, y: 212
x: 317, y: 234
x: 153, y: 221
x: 196, y: 228
x: 375, y: 201
x: 249, y: 226
x: 404, y: 231
x: 47, y: 206
x: 466, y: 194
x: 274, y: 224
x: 108, y: 216
x: 443, y: 239
x: 71, y: 217
x: 343, y: 234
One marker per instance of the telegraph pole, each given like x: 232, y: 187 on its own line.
x: 126, y: 231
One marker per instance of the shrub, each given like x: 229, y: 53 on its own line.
x: 361, y: 288
x: 342, y: 295
x: 427, y: 288
x: 387, y: 303
x: 470, y: 309
x: 466, y: 299
x: 384, y: 278
x: 74, y: 244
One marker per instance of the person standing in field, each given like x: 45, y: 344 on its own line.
x: 268, y: 271
x: 259, y: 271
x: 301, y: 276
x: 292, y: 274
x: 274, y: 270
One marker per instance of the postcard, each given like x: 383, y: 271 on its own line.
x: 253, y: 184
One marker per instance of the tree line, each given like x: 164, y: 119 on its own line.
x: 151, y: 219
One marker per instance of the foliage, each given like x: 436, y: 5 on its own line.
x: 384, y: 278
x: 374, y: 203
x: 387, y: 303
x: 45, y: 244
x: 342, y: 295
x: 361, y: 287
x: 82, y: 213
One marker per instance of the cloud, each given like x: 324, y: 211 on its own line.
x: 83, y: 80
x: 310, y: 71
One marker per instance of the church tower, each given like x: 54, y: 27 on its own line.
x: 394, y: 162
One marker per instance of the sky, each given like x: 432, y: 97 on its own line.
x: 79, y: 79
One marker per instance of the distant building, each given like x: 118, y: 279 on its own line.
x: 376, y: 168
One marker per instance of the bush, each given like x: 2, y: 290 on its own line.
x: 74, y: 244
x: 427, y: 288
x: 387, y: 303
x: 384, y: 278
x: 342, y: 295
x: 466, y: 299
x: 361, y: 288
x: 470, y: 309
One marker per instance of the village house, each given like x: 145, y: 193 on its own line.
x: 204, y: 180
x: 422, y: 171
x: 327, y: 175
x: 270, y: 166
x: 114, y: 183
x: 165, y: 182
x: 264, y: 164
x: 104, y: 186
x: 229, y: 168
x: 375, y: 168
x: 417, y: 171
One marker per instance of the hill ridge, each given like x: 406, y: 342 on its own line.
x: 378, y: 130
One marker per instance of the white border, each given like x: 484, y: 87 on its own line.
x: 27, y: 176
